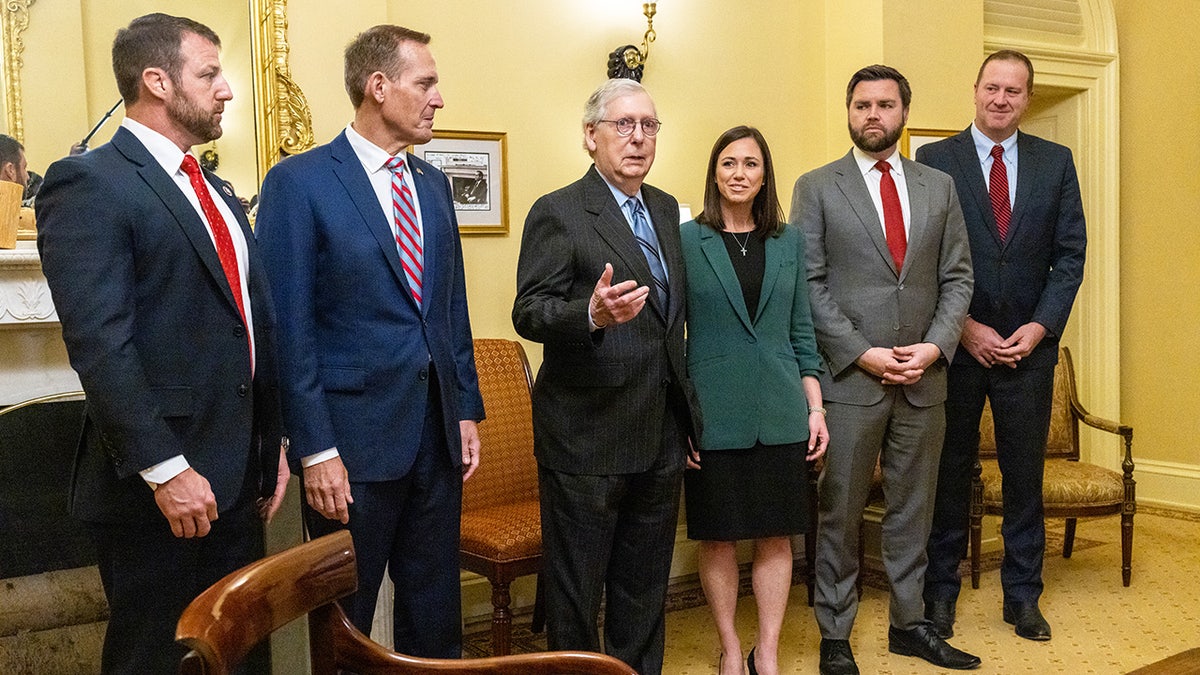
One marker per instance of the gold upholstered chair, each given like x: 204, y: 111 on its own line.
x: 225, y: 622
x: 1071, y: 489
x: 501, y: 518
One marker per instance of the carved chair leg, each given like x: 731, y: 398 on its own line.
x: 1126, y: 547
x: 539, y: 606
x: 1069, y: 538
x: 501, y: 619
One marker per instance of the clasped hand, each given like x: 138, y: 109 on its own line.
x: 899, y: 365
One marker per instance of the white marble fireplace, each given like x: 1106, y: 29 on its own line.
x: 33, y: 360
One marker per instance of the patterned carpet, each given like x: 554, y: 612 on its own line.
x: 688, y: 595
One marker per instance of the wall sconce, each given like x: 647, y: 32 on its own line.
x: 628, y: 61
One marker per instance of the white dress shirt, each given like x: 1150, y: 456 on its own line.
x: 866, y: 164
x: 983, y: 146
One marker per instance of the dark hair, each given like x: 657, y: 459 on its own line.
x: 152, y: 41
x: 1008, y: 55
x: 766, y: 210
x: 880, y: 72
x: 10, y: 150
x: 377, y: 49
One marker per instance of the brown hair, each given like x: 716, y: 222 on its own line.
x: 880, y: 72
x: 1008, y: 55
x: 152, y: 41
x: 376, y: 49
x: 766, y: 210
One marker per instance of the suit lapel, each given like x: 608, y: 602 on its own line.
x: 350, y: 174
x: 1026, y: 168
x: 967, y: 157
x: 612, y: 227
x: 664, y: 215
x: 433, y: 213
x: 771, y: 267
x: 173, y: 198
x: 854, y: 187
x: 717, y: 255
x: 918, y: 207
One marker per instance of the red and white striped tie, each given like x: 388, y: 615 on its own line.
x: 405, y: 228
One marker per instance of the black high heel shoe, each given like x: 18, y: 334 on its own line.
x: 750, y: 662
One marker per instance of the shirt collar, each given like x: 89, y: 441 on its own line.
x: 866, y: 162
x: 983, y: 144
x: 372, y: 157
x: 621, y: 197
x: 162, y: 149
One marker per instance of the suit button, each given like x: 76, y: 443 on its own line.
x: 423, y: 375
x: 751, y: 339
x: 666, y: 382
x: 895, y: 326
x: 239, y: 330
x: 242, y: 390
x: 900, y: 287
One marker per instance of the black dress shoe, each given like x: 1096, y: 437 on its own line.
x: 836, y: 658
x: 1028, y: 619
x: 924, y: 642
x: 750, y: 662
x: 941, y: 614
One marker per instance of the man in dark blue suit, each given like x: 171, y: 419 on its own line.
x: 380, y: 395
x: 1020, y: 198
x: 168, y: 321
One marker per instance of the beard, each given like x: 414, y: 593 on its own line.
x: 875, y: 143
x: 201, y: 123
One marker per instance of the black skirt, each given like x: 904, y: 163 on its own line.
x: 749, y: 494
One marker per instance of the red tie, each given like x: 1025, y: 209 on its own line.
x: 998, y: 191
x: 220, y: 234
x: 893, y: 215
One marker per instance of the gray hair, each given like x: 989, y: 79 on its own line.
x: 597, y: 104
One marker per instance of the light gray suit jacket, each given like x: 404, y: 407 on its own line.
x: 858, y: 299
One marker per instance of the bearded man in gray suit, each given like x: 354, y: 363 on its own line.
x: 889, y: 273
x: 600, y: 285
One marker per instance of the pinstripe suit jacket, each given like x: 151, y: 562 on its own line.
x: 600, y: 397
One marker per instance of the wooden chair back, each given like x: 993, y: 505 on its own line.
x: 240, y: 611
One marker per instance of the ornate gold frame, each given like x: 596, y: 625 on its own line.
x: 15, y: 21
x: 282, y: 117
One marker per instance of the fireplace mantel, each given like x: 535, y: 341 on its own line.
x: 33, y: 359
x: 24, y: 295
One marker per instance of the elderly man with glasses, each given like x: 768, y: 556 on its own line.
x: 600, y: 285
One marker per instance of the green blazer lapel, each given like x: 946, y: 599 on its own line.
x: 718, y: 258
x: 771, y: 266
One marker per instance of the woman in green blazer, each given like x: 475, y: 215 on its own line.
x: 752, y: 357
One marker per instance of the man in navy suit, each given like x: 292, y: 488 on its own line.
x: 167, y: 319
x: 380, y: 394
x: 1020, y: 198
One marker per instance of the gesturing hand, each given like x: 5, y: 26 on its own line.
x: 616, y: 304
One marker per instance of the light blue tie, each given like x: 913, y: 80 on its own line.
x: 649, y: 242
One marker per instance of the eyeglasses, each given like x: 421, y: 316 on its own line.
x: 625, y: 126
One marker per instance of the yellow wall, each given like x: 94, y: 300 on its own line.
x: 1160, y: 240
x: 526, y: 68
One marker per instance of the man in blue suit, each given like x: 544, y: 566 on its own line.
x: 168, y: 321
x: 1020, y: 198
x: 380, y: 394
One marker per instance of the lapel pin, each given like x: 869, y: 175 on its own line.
x: 228, y: 190
x: 419, y: 170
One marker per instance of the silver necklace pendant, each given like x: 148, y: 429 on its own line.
x: 742, y: 245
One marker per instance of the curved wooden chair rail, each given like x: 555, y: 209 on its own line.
x: 243, y: 609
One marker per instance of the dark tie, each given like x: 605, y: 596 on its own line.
x: 408, y: 235
x: 998, y: 191
x: 893, y: 215
x: 221, y: 236
x: 649, y: 243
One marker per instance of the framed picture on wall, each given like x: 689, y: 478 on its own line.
x: 912, y: 139
x: 477, y: 165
